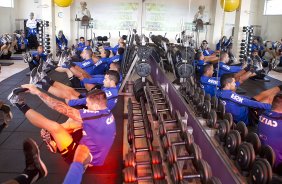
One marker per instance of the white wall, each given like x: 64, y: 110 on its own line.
x: 7, y: 19
x: 109, y: 15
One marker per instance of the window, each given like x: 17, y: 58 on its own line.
x: 273, y: 7
x: 7, y: 3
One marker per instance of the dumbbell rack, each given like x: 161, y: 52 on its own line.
x: 44, y: 36
x: 246, y: 45
x: 216, y: 158
x: 231, y: 136
x: 156, y: 96
x: 154, y: 162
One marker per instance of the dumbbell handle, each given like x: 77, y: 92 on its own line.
x: 139, y: 128
x: 169, y: 121
x: 158, y: 93
x: 191, y: 176
x: 141, y: 149
x: 178, y: 143
x: 162, y: 110
x: 177, y: 130
x: 159, y: 99
x: 160, y: 103
x: 184, y: 158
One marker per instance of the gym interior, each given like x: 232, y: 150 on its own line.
x: 141, y: 91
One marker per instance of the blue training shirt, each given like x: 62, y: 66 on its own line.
x: 211, y: 84
x: 239, y: 105
x: 208, y: 52
x: 113, y: 49
x: 112, y: 97
x: 99, y: 130
x: 226, y: 69
x: 43, y: 56
x: 270, y: 132
x: 86, y: 65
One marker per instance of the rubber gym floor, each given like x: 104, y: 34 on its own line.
x: 11, y: 155
x: 11, y: 138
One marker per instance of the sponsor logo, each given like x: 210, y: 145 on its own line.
x: 108, y: 93
x: 226, y: 67
x: 268, y: 121
x: 237, y: 98
x: 86, y: 63
x: 110, y: 120
x: 213, y: 81
x: 84, y: 133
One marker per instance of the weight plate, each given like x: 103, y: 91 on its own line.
x: 253, y: 138
x: 143, y: 69
x: 233, y: 140
x: 245, y: 156
x: 242, y: 129
x: 268, y: 153
x: 223, y: 129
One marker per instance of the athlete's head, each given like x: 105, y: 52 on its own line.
x: 199, y: 56
x: 224, y: 57
x: 120, y: 51
x: 40, y: 49
x: 86, y: 54
x: 227, y: 82
x: 105, y: 54
x: 205, y: 44
x: 111, y: 79
x: 115, y: 66
x: 96, y: 100
x: 81, y: 39
x: 208, y: 70
x: 277, y: 103
x: 121, y: 45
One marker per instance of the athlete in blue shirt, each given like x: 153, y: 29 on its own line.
x: 239, y: 105
x: 99, y: 79
x: 205, y: 49
x: 270, y: 130
x: 36, y: 57
x: 116, y: 47
x: 211, y: 84
x: 226, y: 69
x: 109, y: 87
x: 61, y: 41
x: 97, y: 123
x: 74, y: 98
x: 22, y: 43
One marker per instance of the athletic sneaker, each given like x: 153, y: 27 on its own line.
x: 15, y: 96
x: 33, y: 76
x: 7, y: 114
x: 47, y: 138
x: 35, y: 168
x: 29, y: 57
x: 24, y: 55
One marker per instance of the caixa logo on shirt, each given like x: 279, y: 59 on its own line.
x: 225, y: 66
x: 212, y: 81
x: 110, y: 120
x: 237, y: 98
x: 268, y: 121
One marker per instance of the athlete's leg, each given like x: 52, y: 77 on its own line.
x: 62, y: 138
x: 267, y: 95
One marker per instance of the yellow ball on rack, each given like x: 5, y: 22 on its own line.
x: 63, y: 3
x: 230, y: 5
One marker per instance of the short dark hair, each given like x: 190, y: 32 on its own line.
x: 117, y: 66
x: 82, y: 37
x: 98, y: 96
x: 198, y: 55
x: 113, y: 75
x: 222, y: 54
x: 225, y: 79
x: 120, y: 51
x: 108, y: 53
x: 277, y: 101
x: 207, y: 67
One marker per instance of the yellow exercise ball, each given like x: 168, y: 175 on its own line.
x: 63, y: 3
x: 230, y: 5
